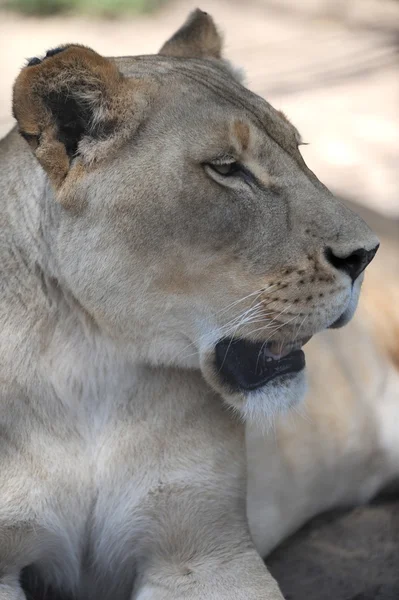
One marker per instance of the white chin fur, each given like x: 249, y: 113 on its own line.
x: 262, y: 406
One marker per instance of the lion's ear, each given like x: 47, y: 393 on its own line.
x: 198, y: 37
x: 73, y: 102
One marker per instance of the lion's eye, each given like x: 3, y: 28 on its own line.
x: 226, y: 169
x: 220, y: 169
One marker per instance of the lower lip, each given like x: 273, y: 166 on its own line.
x: 246, y: 366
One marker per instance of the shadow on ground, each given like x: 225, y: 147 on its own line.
x: 350, y: 555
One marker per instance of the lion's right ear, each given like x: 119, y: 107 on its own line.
x: 198, y: 37
x: 74, y: 103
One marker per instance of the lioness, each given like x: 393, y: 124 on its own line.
x: 165, y: 253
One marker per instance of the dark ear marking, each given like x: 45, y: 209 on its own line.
x: 54, y: 51
x: 73, y: 119
x: 33, y: 61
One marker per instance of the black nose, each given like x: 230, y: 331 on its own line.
x: 354, y: 263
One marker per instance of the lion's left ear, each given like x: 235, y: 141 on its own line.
x: 72, y: 103
x: 198, y: 37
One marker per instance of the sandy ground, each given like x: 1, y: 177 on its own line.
x: 332, y: 66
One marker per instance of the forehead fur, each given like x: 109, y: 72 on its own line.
x: 209, y: 82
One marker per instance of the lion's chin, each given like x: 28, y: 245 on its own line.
x: 263, y: 405
x: 256, y: 391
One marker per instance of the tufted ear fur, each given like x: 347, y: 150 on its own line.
x: 73, y: 103
x: 196, y: 38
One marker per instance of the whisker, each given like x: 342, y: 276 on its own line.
x: 254, y: 321
x: 226, y: 326
x: 234, y: 333
x: 259, y: 292
x: 265, y: 342
x: 253, y: 317
x: 300, y: 327
x: 230, y: 342
x: 275, y: 318
x: 247, y: 317
x: 303, y: 414
x: 274, y: 329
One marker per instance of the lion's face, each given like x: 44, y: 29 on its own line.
x: 198, y: 237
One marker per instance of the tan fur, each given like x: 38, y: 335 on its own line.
x: 241, y: 130
x: 382, y: 299
x: 125, y: 258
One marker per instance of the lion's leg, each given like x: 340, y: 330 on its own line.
x: 195, y: 542
x: 230, y: 573
x: 10, y: 588
x: 14, y: 553
x: 23, y: 537
x: 340, y: 451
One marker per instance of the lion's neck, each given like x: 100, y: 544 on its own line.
x: 46, y: 337
x: 68, y: 370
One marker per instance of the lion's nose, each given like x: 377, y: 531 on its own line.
x: 354, y: 263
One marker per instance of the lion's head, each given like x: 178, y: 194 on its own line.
x: 182, y: 217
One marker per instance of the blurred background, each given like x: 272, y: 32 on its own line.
x: 333, y: 67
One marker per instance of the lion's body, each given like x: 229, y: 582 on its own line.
x: 94, y: 442
x: 90, y: 442
x: 122, y: 467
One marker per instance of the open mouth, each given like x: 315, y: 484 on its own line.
x: 246, y: 365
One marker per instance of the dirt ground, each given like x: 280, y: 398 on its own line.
x: 332, y: 67
x: 342, y: 556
